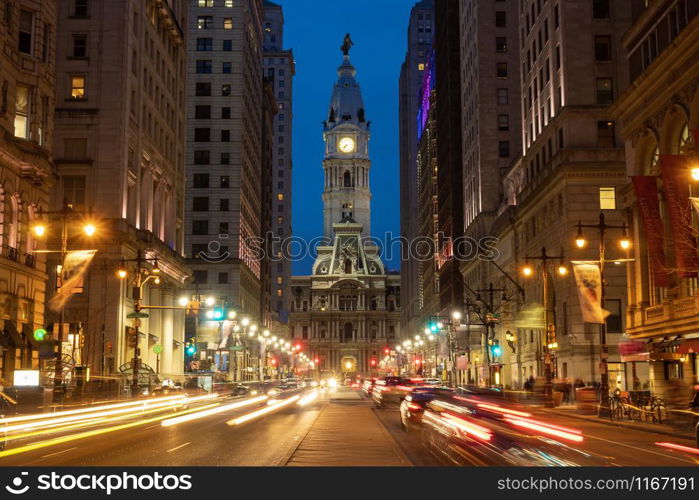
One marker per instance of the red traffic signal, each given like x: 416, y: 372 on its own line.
x: 274, y: 362
x: 418, y: 361
x: 316, y: 360
x: 386, y: 351
x: 373, y: 362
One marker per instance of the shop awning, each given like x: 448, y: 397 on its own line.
x: 689, y: 346
x: 152, y: 338
x: 11, y: 331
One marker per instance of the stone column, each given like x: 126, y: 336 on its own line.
x: 166, y: 332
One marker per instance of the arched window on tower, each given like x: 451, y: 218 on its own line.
x: 347, y: 210
x: 348, y: 332
x: 347, y: 180
x: 348, y: 266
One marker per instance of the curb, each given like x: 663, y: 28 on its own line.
x: 626, y: 425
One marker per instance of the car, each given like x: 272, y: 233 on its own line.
x: 456, y: 435
x: 368, y: 386
x: 309, y: 382
x: 391, y: 391
x: 413, y: 405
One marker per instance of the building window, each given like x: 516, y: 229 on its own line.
x: 224, y: 205
x: 200, y: 227
x: 26, y: 28
x: 614, y: 320
x: 79, y: 45
x: 225, y: 113
x: 503, y: 122
x: 200, y: 204
x: 223, y: 229
x: 304, y: 332
x: 227, y: 23
x: 225, y: 135
x: 80, y: 8
x: 227, y: 45
x: 200, y: 277
x: 556, y: 17
x: 226, y: 68
x: 504, y: 149
x: 222, y: 278
x: 75, y: 149
x: 500, y: 44
x: 503, y: 97
x: 280, y: 196
x: 77, y: 87
x: 605, y: 134
x: 204, y: 22
x: 558, y: 57
x: 22, y: 111
x: 204, y: 66
x: 225, y: 158
x: 501, y: 19
x: 502, y: 70
x: 74, y: 190
x: 203, y: 89
x: 202, y: 112
x: 607, y: 198
x: 600, y: 9
x: 228, y: 3
x: 201, y: 157
x: 206, y: 3
x: 225, y: 181
x: 226, y: 89
x: 603, y: 48
x: 205, y: 44
x: 605, y: 94
x: 201, y: 181
x: 202, y: 134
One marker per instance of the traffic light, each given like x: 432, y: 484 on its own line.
x: 316, y: 361
x: 190, y: 348
x: 193, y: 308
x: 496, y: 350
x: 40, y: 334
x: 274, y: 362
x: 373, y: 362
x: 386, y: 351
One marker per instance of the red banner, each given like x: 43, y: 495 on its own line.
x: 675, y: 175
x: 646, y: 188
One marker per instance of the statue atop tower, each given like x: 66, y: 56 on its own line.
x: 347, y: 45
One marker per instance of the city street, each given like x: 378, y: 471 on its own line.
x: 341, y: 428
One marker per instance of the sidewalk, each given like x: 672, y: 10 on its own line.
x: 348, y: 435
x: 571, y: 411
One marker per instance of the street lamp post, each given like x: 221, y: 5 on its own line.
x: 39, y: 228
x: 625, y: 243
x: 549, y: 330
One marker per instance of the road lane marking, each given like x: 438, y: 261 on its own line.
x: 642, y: 449
x: 59, y: 452
x: 178, y: 447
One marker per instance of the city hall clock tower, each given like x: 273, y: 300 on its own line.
x: 346, y: 164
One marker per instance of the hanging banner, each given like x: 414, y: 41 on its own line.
x: 676, y: 190
x: 75, y: 266
x: 646, y: 188
x: 589, y: 282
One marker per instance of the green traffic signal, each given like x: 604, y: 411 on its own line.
x: 39, y: 334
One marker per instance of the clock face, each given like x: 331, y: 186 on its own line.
x: 346, y: 145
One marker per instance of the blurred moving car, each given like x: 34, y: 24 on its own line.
x: 391, y: 390
x: 368, y: 386
x: 309, y: 382
x: 413, y: 406
x: 461, y: 435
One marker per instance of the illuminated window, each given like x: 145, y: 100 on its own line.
x: 280, y: 280
x: 228, y: 3
x: 206, y: 3
x: 204, y: 22
x: 77, y: 87
x: 280, y: 196
x: 421, y: 67
x: 22, y: 112
x: 228, y: 23
x: 607, y: 198
x: 280, y: 292
x: 280, y: 220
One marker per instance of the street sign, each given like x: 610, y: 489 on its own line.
x: 137, y: 315
x: 236, y: 348
x: 157, y: 348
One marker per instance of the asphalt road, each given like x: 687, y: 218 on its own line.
x: 272, y: 439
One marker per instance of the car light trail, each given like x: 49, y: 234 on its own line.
x: 87, y: 434
x: 679, y: 447
x: 468, y: 427
x: 213, y: 411
x: 37, y: 416
x: 131, y: 410
x: 495, y: 408
x: 544, y: 428
x: 308, y: 399
x: 263, y: 411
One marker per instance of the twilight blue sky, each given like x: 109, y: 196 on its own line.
x: 314, y: 30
